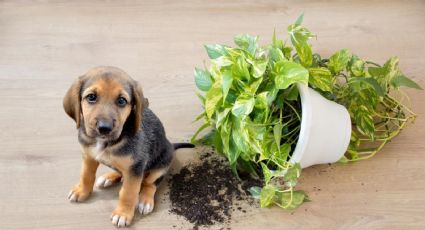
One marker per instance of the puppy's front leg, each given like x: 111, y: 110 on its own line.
x: 123, y: 214
x: 82, y: 190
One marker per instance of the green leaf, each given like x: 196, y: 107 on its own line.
x: 213, y: 97
x: 385, y: 74
x: 241, y: 68
x: 364, y: 120
x: 305, y: 54
x: 266, y: 172
x: 259, y: 67
x: 391, y: 67
x: 231, y: 96
x: 291, y: 199
x: 223, y: 61
x: 283, y: 154
x: 257, y: 132
x: 273, y: 91
x: 255, y: 192
x: 357, y: 66
x: 217, y: 142
x: 202, y: 79
x: 300, y: 19
x: 253, y: 87
x: 240, y: 135
x: 225, y: 140
x: 401, y: 80
x: 215, y: 51
x: 261, y: 100
x: 376, y: 71
x: 291, y: 176
x: 276, y: 54
x: 371, y: 82
x: 321, y: 78
x: 266, y: 196
x: 227, y: 83
x: 287, y: 52
x: 276, y: 43
x: 221, y: 117
x: 299, y: 37
x: 288, y: 73
x: 247, y: 42
x: 277, y: 133
x: 292, y: 93
x: 338, y: 61
x: 234, y: 150
x: 243, y: 105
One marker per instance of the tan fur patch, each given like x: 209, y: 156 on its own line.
x: 152, y: 175
x: 88, y: 173
x: 128, y: 197
x: 105, y: 156
x: 107, y: 92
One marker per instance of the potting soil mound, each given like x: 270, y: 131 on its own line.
x: 207, y: 192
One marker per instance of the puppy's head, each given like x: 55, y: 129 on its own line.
x: 105, y: 99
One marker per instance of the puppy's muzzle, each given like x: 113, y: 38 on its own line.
x: 104, y: 127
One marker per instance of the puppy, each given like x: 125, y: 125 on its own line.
x: 116, y: 128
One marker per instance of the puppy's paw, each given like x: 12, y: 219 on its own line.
x: 103, y: 182
x: 108, y: 180
x: 122, y: 218
x: 77, y: 194
x: 146, y: 204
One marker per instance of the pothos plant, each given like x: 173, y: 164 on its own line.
x: 252, y: 106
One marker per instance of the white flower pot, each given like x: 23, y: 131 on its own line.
x: 325, y: 130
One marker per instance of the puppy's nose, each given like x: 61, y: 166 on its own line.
x: 104, y: 127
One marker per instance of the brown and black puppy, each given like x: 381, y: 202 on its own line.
x: 116, y: 128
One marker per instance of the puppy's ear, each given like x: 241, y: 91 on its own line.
x: 139, y: 104
x: 72, y: 101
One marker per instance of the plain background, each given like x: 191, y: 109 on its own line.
x: 45, y: 45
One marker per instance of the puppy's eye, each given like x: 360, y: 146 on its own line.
x: 121, y: 101
x: 91, y: 98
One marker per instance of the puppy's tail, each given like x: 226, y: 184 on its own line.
x: 183, y: 145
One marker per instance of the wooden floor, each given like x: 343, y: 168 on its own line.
x: 46, y: 44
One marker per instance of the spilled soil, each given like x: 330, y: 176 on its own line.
x: 207, y: 192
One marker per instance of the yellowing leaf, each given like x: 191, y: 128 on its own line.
x: 291, y: 199
x: 261, y: 100
x: 258, y: 68
x: 321, y: 78
x: 288, y: 73
x: 338, y: 61
x: 243, y: 105
x: 227, y: 79
x: 299, y: 37
x: 267, y: 195
x: 247, y: 42
x: 213, y: 97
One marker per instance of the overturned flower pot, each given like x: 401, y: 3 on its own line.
x: 267, y: 121
x: 325, y: 130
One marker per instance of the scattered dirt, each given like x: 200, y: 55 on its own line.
x: 207, y: 192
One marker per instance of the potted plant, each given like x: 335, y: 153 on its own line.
x: 265, y: 120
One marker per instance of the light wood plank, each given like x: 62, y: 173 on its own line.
x: 45, y: 45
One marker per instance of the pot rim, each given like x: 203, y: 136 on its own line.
x: 306, y: 116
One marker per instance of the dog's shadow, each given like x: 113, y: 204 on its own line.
x: 105, y: 194
x: 112, y: 193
